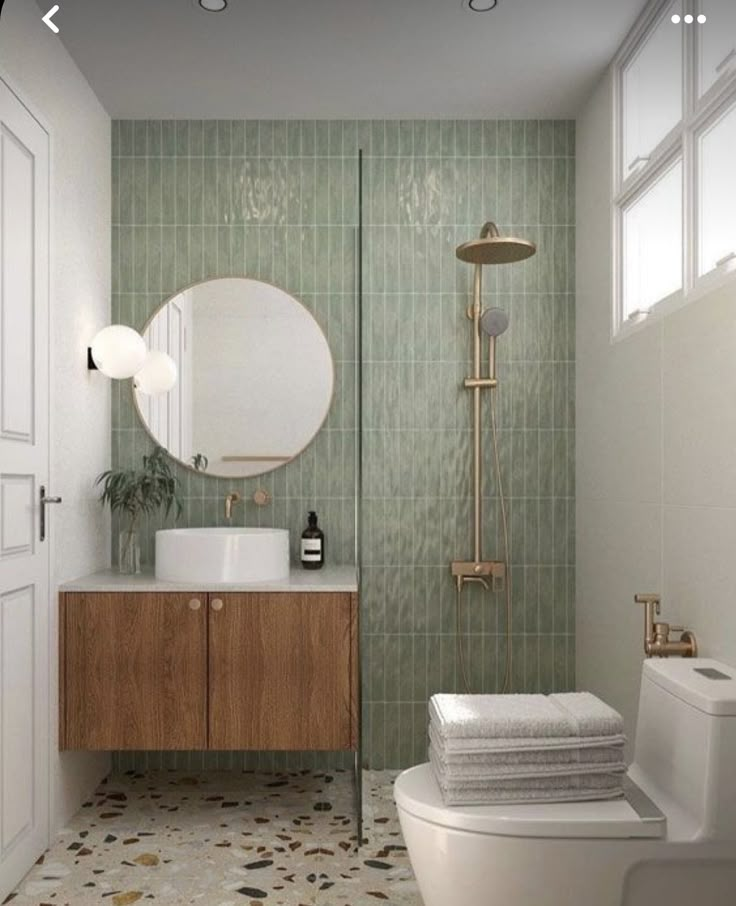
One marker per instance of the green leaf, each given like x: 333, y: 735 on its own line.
x: 138, y: 491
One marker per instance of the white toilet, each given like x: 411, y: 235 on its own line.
x: 672, y: 840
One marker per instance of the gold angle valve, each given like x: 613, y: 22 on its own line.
x: 657, y: 642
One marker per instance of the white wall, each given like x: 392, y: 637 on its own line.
x: 38, y: 68
x: 656, y: 455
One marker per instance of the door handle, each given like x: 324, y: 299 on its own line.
x: 45, y: 501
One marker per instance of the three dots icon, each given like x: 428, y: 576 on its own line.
x: 689, y: 19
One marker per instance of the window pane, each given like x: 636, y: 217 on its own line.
x: 652, y: 246
x: 652, y: 90
x: 717, y: 41
x: 717, y: 220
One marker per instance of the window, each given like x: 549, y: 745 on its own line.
x: 653, y: 243
x: 675, y: 189
x: 717, y: 45
x: 717, y: 193
x: 652, y: 91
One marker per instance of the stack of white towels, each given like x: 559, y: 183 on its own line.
x: 490, y: 749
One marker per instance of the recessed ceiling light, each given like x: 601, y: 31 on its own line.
x: 212, y: 6
x: 481, y: 6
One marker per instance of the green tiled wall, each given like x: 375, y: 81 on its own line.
x: 278, y: 200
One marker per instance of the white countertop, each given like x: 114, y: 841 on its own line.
x: 329, y: 578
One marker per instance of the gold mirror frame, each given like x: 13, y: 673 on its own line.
x: 281, y: 463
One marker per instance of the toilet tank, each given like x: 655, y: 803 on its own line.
x: 685, y: 749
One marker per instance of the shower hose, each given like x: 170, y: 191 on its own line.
x: 458, y: 601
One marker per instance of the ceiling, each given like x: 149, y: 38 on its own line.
x: 343, y: 58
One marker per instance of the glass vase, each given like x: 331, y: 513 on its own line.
x: 129, y: 553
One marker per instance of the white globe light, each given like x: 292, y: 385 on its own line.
x: 158, y: 374
x: 118, y: 351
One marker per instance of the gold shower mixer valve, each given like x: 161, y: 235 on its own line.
x: 481, y: 571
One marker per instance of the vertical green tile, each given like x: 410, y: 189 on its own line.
x: 125, y: 146
x: 265, y: 138
x: 209, y: 138
x: 391, y: 138
x: 140, y: 138
x: 224, y: 138
x: 274, y: 210
x: 434, y: 138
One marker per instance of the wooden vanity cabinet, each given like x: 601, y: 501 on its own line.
x: 133, y: 671
x: 281, y: 672
x: 276, y: 671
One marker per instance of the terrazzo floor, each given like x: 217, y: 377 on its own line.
x: 227, y: 839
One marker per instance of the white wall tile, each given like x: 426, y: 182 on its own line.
x: 619, y: 552
x: 619, y: 416
x: 699, y: 588
x: 699, y: 380
x: 656, y: 454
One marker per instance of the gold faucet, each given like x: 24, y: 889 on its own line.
x: 232, y: 498
x: 657, y: 635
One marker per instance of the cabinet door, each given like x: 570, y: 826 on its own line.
x: 282, y: 671
x: 134, y: 671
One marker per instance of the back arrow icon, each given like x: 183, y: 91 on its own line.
x: 49, y: 16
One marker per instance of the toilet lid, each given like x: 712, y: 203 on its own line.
x: 416, y: 792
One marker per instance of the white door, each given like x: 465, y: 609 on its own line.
x: 24, y: 464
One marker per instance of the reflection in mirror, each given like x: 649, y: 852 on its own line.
x: 256, y: 377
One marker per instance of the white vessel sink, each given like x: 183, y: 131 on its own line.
x: 217, y: 555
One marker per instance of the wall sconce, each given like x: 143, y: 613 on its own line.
x: 158, y: 374
x: 119, y: 352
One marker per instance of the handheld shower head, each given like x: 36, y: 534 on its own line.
x: 494, y: 322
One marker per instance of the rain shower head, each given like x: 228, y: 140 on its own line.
x: 494, y: 322
x: 493, y: 248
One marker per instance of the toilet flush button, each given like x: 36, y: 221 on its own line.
x: 712, y: 673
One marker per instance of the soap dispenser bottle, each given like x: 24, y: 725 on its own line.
x: 313, y: 544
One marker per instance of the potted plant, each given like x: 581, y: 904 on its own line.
x: 135, y: 492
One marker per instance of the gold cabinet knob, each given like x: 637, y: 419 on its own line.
x: 195, y: 604
x: 218, y: 604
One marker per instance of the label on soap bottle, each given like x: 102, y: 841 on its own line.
x: 311, y: 550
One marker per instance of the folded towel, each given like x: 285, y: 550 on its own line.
x: 471, y: 751
x: 589, y: 715
x: 481, y: 746
x: 565, y: 715
x: 571, y: 788
x: 478, y: 773
x: 604, y: 780
x: 526, y: 797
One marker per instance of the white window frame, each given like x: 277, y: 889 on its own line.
x: 682, y: 142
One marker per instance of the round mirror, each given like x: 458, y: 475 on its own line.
x: 256, y: 377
